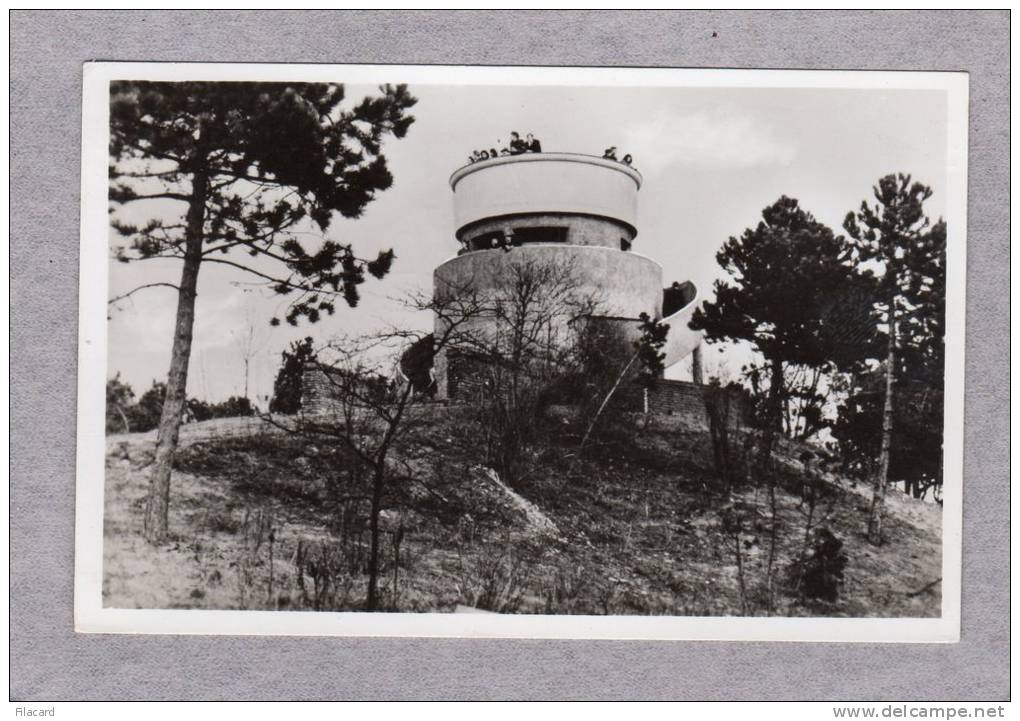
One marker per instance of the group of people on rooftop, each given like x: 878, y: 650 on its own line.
x: 531, y: 144
x: 517, y: 147
x: 610, y: 154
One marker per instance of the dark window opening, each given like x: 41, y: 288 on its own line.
x: 624, y: 244
x: 487, y: 241
x: 539, y: 235
x: 677, y: 296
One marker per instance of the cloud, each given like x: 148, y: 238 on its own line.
x: 711, y: 138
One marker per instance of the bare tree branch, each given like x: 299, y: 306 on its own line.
x: 141, y: 287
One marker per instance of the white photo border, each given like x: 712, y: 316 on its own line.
x: 91, y: 617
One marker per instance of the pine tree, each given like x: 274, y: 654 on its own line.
x: 648, y: 348
x: 791, y: 293
x: 895, y: 234
x: 119, y: 396
x: 246, y: 164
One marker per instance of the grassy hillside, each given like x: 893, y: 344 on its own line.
x: 639, y: 525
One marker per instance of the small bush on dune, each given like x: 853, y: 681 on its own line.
x: 216, y: 521
x: 569, y: 589
x: 257, y: 532
x: 821, y: 573
x: 325, y: 575
x: 496, y: 576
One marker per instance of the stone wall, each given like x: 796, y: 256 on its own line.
x: 316, y: 391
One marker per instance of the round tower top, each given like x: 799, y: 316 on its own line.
x: 541, y: 183
x: 596, y: 160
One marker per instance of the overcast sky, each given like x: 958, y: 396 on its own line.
x: 711, y: 160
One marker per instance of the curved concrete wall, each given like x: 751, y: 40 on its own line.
x: 582, y: 229
x: 545, y: 183
x: 627, y: 284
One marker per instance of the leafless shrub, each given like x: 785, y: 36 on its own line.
x: 397, y: 533
x: 817, y: 572
x: 737, y: 522
x: 569, y: 586
x: 496, y: 576
x: 348, y: 527
x: 606, y: 595
x: 323, y: 576
x: 256, y: 533
x: 525, y: 352
x: 220, y: 521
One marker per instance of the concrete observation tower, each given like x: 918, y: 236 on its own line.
x: 562, y: 208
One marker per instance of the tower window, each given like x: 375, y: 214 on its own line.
x: 539, y: 235
x: 487, y: 241
x: 624, y: 244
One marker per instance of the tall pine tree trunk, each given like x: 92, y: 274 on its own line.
x: 158, y: 505
x: 773, y: 428
x: 773, y: 417
x: 882, y: 476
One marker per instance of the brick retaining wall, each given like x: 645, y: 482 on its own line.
x: 678, y: 398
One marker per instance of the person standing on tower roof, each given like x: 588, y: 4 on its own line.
x: 517, y: 146
x: 533, y: 145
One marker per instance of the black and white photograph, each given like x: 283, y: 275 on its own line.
x: 526, y: 352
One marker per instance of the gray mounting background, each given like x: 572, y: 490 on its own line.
x: 50, y: 662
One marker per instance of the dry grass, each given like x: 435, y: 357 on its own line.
x: 634, y: 528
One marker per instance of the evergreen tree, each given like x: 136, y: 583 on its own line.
x: 147, y: 412
x: 915, y: 449
x: 246, y: 164
x: 792, y: 295
x: 119, y: 396
x: 648, y: 348
x: 896, y: 236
